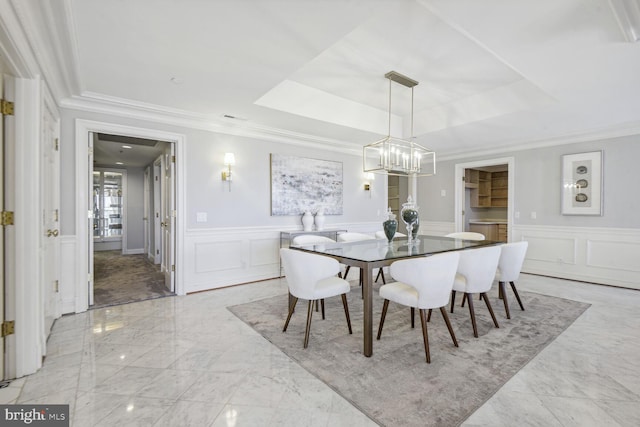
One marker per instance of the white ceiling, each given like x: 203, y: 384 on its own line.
x: 492, y: 73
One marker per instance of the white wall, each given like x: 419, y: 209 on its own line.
x: 239, y: 240
x: 601, y: 249
x: 135, y: 210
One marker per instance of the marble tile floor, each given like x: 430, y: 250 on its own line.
x: 187, y: 361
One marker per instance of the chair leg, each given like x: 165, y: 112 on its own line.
x: 425, y: 336
x: 515, y: 291
x: 384, y: 314
x: 306, y: 332
x: 346, y: 311
x: 429, y: 315
x: 493, y: 316
x: 292, y: 305
x: 446, y: 320
x: 453, y: 299
x: 472, y: 313
x: 381, y: 274
x: 316, y: 303
x: 413, y: 317
x: 464, y: 298
x: 346, y: 272
x: 506, y: 303
x: 321, y: 305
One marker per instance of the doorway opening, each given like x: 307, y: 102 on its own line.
x: 132, y: 197
x: 484, y: 197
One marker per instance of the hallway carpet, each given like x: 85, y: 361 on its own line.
x: 121, y: 279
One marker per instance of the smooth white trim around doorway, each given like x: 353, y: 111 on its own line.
x: 459, y: 199
x: 83, y: 128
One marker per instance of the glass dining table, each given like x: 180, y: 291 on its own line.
x: 371, y: 254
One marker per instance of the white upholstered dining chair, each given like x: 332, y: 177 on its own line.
x: 466, y: 235
x: 354, y: 237
x: 310, y: 239
x: 380, y: 234
x: 509, y: 266
x: 424, y: 283
x: 312, y: 277
x: 476, y: 272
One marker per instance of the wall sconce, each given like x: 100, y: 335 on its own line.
x: 369, y: 176
x: 229, y: 160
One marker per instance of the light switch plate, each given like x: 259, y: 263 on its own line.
x: 201, y: 217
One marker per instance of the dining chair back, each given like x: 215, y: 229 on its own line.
x: 466, y: 235
x: 509, y: 267
x: 356, y: 237
x: 312, y: 277
x: 380, y: 234
x: 424, y: 283
x: 310, y: 239
x: 476, y: 272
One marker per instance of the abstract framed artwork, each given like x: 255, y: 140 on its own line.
x: 300, y: 184
x: 582, y: 191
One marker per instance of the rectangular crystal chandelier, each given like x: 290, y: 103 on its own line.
x: 397, y: 156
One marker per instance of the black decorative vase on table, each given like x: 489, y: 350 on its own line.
x: 390, y: 226
x: 409, y: 214
x: 414, y: 230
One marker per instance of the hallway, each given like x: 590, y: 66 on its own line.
x: 121, y: 279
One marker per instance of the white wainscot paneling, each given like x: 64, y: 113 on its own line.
x: 217, y: 258
x: 68, y: 266
x: 599, y: 255
x: 224, y: 257
x: 614, y: 255
x: 551, y: 249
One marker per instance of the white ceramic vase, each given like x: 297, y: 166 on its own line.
x: 307, y: 221
x: 319, y: 220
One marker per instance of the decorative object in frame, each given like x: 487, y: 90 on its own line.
x: 300, y: 184
x: 582, y: 183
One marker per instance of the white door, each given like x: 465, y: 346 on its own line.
x: 93, y: 217
x: 145, y: 211
x: 168, y: 203
x: 2, y: 236
x: 50, y: 228
x: 157, y: 219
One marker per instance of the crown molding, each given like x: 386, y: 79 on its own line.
x: 14, y: 43
x: 49, y: 33
x: 98, y: 103
x: 626, y: 129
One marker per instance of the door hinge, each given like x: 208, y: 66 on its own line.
x: 56, y: 286
x: 8, y: 328
x: 56, y: 144
x: 157, y: 251
x: 173, y: 267
x: 55, y: 215
x: 6, y: 107
x: 90, y: 152
x: 89, y: 277
x: 7, y: 218
x: 173, y: 159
